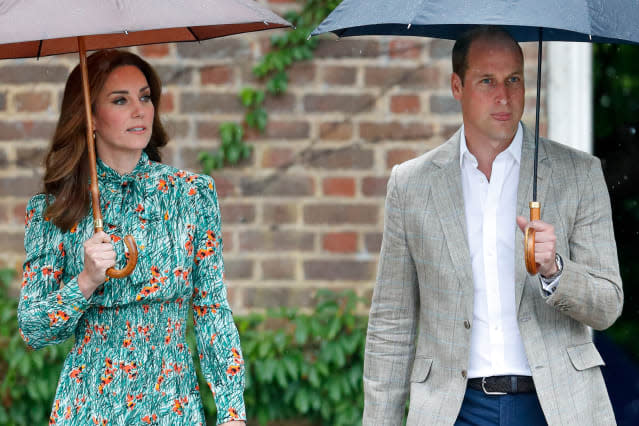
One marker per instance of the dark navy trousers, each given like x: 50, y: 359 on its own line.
x: 479, y: 409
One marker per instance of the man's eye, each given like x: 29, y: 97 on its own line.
x: 514, y: 80
x: 486, y: 81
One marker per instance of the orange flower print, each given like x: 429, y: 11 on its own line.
x: 146, y: 291
x: 233, y: 413
x: 236, y: 353
x: 192, y: 191
x: 233, y: 370
x: 75, y: 373
x: 158, y: 383
x: 28, y: 217
x: 139, y: 208
x: 130, y: 401
x: 61, y: 250
x: 149, y: 419
x: 162, y: 186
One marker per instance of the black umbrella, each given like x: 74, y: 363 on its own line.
x: 599, y: 21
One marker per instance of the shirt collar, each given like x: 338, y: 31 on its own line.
x: 514, y: 149
x: 107, y: 174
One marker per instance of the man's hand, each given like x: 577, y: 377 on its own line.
x: 545, y: 245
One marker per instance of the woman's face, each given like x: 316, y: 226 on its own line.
x: 123, y: 116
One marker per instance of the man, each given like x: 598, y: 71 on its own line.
x: 455, y: 319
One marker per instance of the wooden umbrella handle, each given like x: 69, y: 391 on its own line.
x: 529, y: 239
x: 95, y: 192
x: 131, y: 262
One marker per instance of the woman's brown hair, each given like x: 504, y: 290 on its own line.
x: 66, y: 175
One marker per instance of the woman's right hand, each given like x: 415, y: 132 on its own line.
x: 98, y: 257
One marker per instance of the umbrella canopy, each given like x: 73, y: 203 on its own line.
x: 37, y: 28
x: 601, y: 21
x: 43, y: 27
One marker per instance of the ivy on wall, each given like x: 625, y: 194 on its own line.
x: 286, y: 49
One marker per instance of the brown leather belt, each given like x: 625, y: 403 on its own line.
x: 502, y: 385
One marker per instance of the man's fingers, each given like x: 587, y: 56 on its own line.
x: 522, y: 222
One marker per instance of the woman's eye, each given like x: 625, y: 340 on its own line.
x: 119, y: 101
x: 146, y: 98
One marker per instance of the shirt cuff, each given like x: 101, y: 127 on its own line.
x: 72, y: 296
x: 550, y: 284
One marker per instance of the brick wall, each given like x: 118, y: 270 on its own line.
x: 306, y: 210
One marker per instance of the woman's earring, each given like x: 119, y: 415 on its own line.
x: 94, y: 135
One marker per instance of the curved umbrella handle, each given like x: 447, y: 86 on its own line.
x: 130, y: 264
x: 529, y: 239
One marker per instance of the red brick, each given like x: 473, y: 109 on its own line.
x: 167, y: 102
x: 374, y: 186
x: 209, y: 103
x: 345, y: 48
x: 340, y: 242
x: 30, y: 73
x: 278, y: 185
x: 278, y: 269
x: 19, y: 213
x: 20, y: 130
x: 429, y: 77
x: 440, y: 48
x: 301, y: 73
x: 238, y: 268
x: 227, y: 239
x: 3, y: 101
x: 337, y: 214
x: 30, y: 157
x: 395, y: 130
x: 4, y: 159
x: 339, y: 103
x: 276, y: 297
x: 32, y: 101
x: 176, y: 128
x: 334, y: 270
x: 349, y: 157
x: 207, y: 129
x: 287, y: 129
x: 154, y: 50
x: 340, y: 76
x: 397, y: 156
x: 405, y: 104
x: 336, y: 130
x: 404, y: 48
x: 277, y: 157
x: 341, y: 187
x: 12, y: 242
x: 280, y: 103
x: 279, y: 214
x: 444, y: 104
x: 263, y: 240
x: 237, y: 213
x: 373, y: 242
x: 219, y: 48
x: 224, y: 186
x: 19, y: 186
x: 216, y: 75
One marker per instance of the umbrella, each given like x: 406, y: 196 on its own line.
x: 599, y: 21
x: 37, y: 28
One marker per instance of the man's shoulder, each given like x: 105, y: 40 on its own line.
x: 431, y: 160
x: 558, y: 153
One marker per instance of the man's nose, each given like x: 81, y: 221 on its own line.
x: 501, y: 94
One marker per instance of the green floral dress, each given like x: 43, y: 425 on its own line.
x: 130, y: 363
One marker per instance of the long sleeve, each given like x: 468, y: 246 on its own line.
x: 49, y: 309
x: 217, y: 337
x: 390, y: 340
x: 590, y: 290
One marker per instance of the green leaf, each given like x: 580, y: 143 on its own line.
x: 291, y: 367
x: 302, y: 401
x: 247, y: 95
x: 301, y: 330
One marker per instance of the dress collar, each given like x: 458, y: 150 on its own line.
x: 108, y: 175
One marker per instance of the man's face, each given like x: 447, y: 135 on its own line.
x: 492, y: 93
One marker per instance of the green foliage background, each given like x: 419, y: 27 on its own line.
x: 616, y: 130
x: 298, y: 365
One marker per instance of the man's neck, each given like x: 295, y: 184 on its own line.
x: 485, y: 151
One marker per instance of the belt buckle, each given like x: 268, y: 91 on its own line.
x: 483, y: 387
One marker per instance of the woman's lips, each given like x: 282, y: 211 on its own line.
x: 137, y: 130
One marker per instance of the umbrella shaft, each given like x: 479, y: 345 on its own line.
x: 537, y: 113
x: 95, y: 192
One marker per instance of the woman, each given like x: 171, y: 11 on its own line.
x: 130, y: 363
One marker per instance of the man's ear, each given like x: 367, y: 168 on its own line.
x: 456, y: 86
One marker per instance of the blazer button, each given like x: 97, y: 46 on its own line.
x: 467, y: 324
x: 464, y: 374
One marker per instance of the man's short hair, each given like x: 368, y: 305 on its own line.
x: 462, y: 45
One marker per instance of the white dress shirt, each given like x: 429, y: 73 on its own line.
x: 496, y: 346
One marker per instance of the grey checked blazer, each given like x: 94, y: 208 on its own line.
x: 417, y: 341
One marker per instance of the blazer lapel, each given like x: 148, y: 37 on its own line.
x: 524, y: 196
x: 448, y: 198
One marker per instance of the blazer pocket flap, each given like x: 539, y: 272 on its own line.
x: 421, y: 368
x: 585, y: 356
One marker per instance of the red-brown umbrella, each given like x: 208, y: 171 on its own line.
x: 37, y: 28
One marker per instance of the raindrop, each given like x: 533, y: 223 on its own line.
x: 633, y: 131
x: 126, y: 32
x: 409, y: 26
x: 625, y: 177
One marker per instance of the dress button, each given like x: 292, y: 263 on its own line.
x: 467, y: 324
x: 464, y: 374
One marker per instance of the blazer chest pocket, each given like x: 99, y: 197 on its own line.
x: 584, y: 356
x: 421, y: 368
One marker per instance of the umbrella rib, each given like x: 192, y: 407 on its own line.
x: 39, y: 50
x: 193, y: 34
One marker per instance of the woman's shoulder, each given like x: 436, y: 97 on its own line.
x: 181, y: 178
x: 38, y: 204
